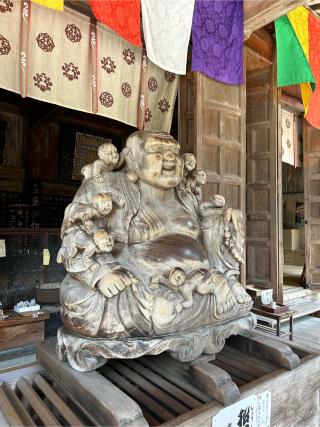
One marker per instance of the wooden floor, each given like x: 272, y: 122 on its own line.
x: 306, y: 335
x: 292, y: 274
x: 306, y: 332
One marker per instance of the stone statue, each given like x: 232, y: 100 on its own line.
x: 164, y: 274
x: 109, y: 160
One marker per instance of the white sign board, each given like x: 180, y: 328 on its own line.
x: 2, y: 248
x: 253, y: 411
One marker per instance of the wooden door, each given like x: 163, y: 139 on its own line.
x: 212, y: 126
x: 186, y: 100
x: 263, y: 185
x: 311, y: 163
x: 219, y: 138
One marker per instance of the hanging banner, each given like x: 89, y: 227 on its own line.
x: 122, y: 16
x: 94, y: 63
x: 287, y: 137
x: 217, y: 40
x: 52, y: 4
x: 73, y: 62
x: 292, y: 64
x: 313, y: 114
x: 142, y: 108
x: 166, y: 29
x: 24, y: 46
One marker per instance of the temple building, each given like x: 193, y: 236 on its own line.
x: 160, y: 213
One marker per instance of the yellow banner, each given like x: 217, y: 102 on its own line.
x: 306, y: 93
x: 52, y: 4
x: 299, y: 19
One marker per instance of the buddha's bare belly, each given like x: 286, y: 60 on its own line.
x: 164, y: 253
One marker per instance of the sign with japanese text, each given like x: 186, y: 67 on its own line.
x: 253, y: 411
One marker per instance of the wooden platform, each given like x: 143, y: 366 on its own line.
x: 158, y: 390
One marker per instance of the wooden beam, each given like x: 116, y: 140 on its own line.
x: 261, y: 42
x: 293, y: 103
x: 255, y: 61
x: 258, y: 13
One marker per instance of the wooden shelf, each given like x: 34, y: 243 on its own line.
x: 54, y: 189
x: 29, y: 231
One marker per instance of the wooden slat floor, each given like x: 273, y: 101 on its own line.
x: 40, y: 401
x: 163, y: 387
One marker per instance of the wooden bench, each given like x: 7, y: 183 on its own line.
x: 22, y: 329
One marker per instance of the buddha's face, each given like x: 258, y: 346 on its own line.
x: 160, y: 164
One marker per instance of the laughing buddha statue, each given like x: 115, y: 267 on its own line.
x: 155, y: 269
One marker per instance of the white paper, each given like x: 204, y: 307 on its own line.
x: 253, y: 411
x: 2, y: 248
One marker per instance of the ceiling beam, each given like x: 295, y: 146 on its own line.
x: 258, y: 13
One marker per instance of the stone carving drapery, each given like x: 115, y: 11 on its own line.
x: 66, y: 59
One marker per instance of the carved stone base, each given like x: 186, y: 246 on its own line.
x: 86, y: 354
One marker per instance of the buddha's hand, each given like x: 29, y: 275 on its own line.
x: 113, y: 283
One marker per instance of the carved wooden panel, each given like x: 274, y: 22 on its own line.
x: 262, y: 182
x: 311, y: 155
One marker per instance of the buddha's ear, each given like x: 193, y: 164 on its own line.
x: 128, y: 157
x: 132, y: 173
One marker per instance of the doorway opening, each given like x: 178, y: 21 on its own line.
x: 293, y: 231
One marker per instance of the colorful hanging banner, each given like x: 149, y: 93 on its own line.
x: 217, y: 40
x: 52, y: 4
x: 122, y: 16
x: 167, y: 28
x: 306, y: 93
x: 313, y: 114
x: 292, y: 65
x: 299, y: 19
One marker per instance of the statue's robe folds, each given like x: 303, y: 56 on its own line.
x: 86, y: 311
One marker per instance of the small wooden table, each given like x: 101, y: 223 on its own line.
x: 278, y: 317
x: 22, y: 329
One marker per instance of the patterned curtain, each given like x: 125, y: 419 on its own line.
x: 67, y: 59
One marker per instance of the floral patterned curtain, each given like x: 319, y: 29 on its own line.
x: 67, y: 59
